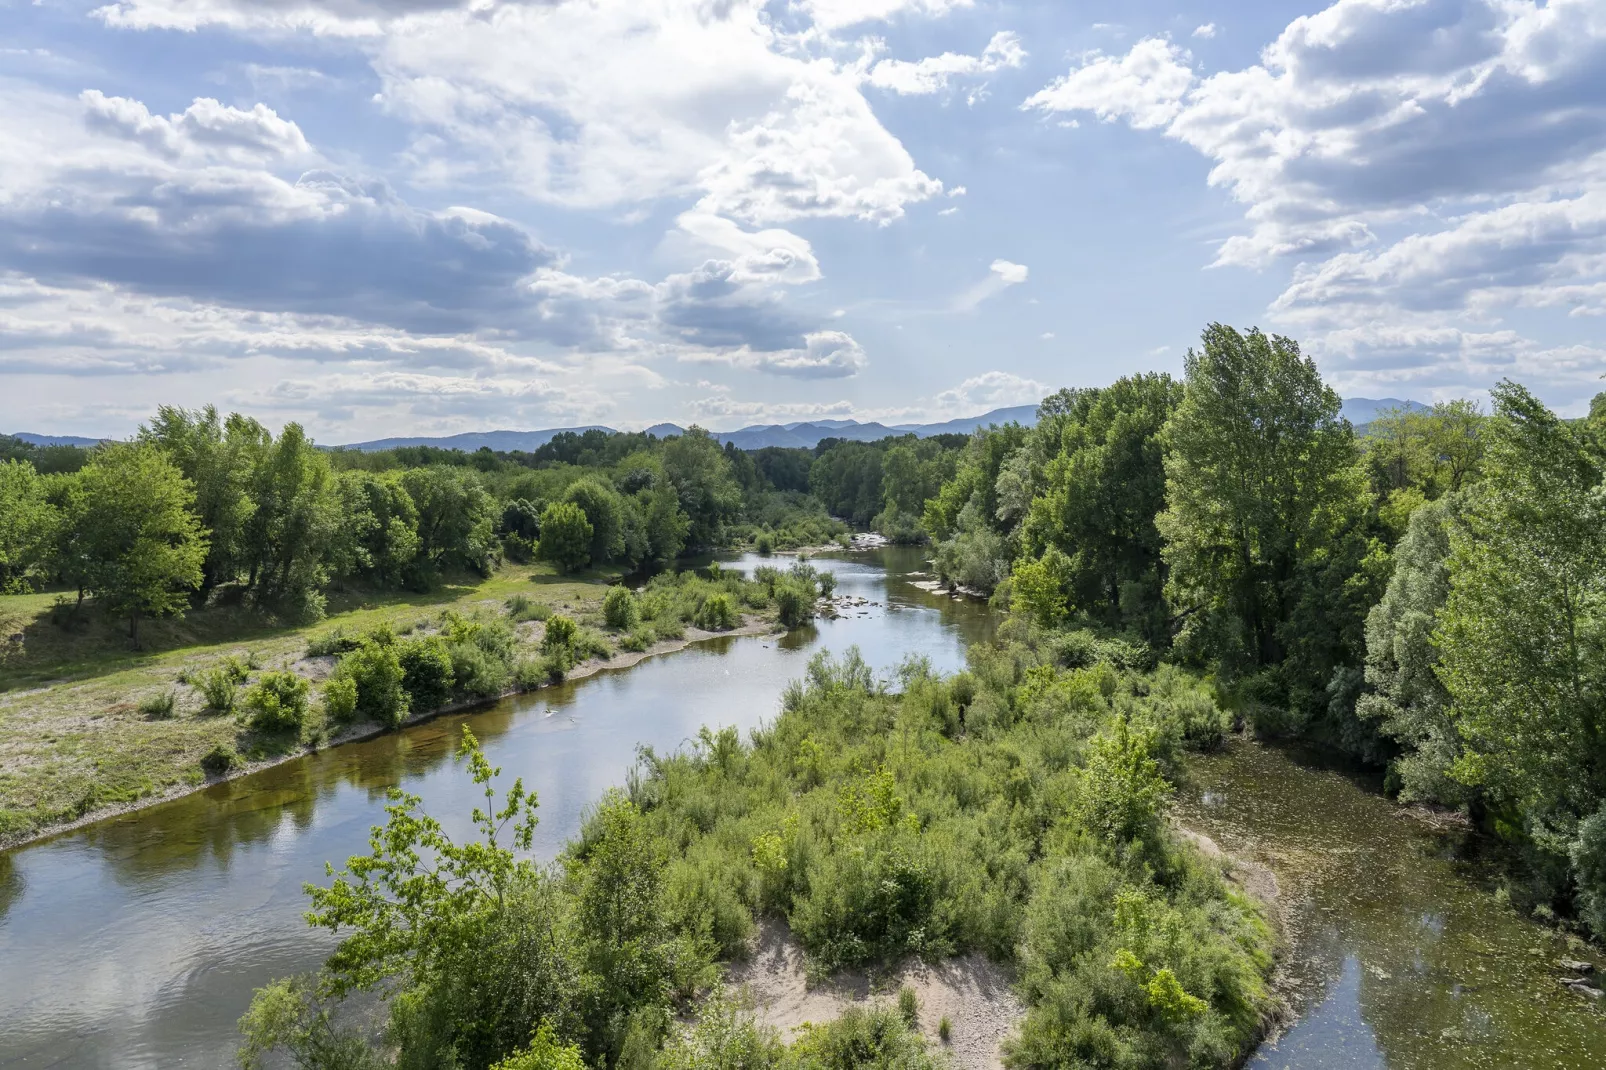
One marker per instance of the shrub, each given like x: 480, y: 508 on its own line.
x: 560, y: 633
x: 945, y: 1030
x: 520, y: 608
x: 340, y: 698
x: 589, y: 643
x: 545, y: 1052
x: 909, y: 1006
x: 277, y: 702
x: 217, y: 685
x: 715, y: 614
x: 565, y: 536
x: 794, y: 603
x: 620, y: 609
x: 764, y: 543
x: 376, y: 671
x: 160, y: 706
x: 219, y: 760
x: 640, y: 638
x: 427, y: 672
x: 334, y: 641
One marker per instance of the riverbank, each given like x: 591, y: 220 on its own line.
x: 85, y: 745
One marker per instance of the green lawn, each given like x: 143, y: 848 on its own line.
x: 72, y: 738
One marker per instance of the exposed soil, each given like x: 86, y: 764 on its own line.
x: 972, y: 993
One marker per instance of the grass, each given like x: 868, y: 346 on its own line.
x: 85, y: 723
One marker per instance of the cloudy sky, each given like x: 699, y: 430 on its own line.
x: 428, y: 216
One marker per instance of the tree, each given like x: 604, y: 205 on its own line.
x: 604, y: 510
x: 219, y: 459
x: 1523, y: 632
x: 141, y: 543
x: 565, y: 536
x: 667, y: 526
x: 1262, y: 488
x: 1101, y: 491
x: 292, y: 529
x: 709, y: 496
x: 378, y: 535
x: 456, y: 518
x: 1405, y: 697
x: 27, y: 524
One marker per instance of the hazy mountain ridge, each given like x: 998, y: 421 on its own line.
x: 800, y: 435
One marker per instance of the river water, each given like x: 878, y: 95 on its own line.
x: 136, y: 942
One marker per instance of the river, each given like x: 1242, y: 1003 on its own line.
x: 136, y: 942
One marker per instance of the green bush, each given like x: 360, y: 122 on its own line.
x: 217, y: 684
x: 277, y: 702
x: 716, y: 614
x: 219, y: 760
x: 160, y: 706
x: 427, y: 672
x: 620, y: 609
x: 640, y: 638
x: 376, y: 672
x: 764, y: 543
x: 560, y: 633
x: 794, y: 603
x: 909, y: 1006
x: 520, y: 608
x: 340, y: 698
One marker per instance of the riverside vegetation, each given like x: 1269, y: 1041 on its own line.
x: 138, y: 578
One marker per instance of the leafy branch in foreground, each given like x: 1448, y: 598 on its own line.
x: 419, y: 893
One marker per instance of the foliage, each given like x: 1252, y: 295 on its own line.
x: 566, y: 536
x: 277, y: 702
x: 140, y: 543
x: 160, y: 706
x: 218, y: 685
x: 221, y: 759
x: 620, y: 609
x: 340, y: 698
x: 716, y: 614
x: 427, y: 672
x: 27, y: 523
x: 375, y: 670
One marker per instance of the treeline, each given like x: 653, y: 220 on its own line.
x: 1016, y: 810
x: 198, y: 508
x: 1430, y: 597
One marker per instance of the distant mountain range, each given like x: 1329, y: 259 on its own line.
x: 1362, y: 411
x: 802, y: 435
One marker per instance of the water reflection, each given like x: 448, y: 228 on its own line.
x: 136, y: 942
x: 1400, y: 959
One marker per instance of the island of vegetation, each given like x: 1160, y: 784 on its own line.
x: 1178, y: 560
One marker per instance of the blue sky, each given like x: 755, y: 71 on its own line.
x: 429, y: 216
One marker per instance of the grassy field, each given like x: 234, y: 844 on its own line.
x: 73, y: 738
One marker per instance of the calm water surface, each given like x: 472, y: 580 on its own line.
x: 136, y: 942
x: 1402, y: 956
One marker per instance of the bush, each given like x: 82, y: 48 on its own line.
x: 945, y: 1030
x: 764, y: 543
x: 160, y: 706
x: 217, y: 684
x: 565, y: 536
x: 340, y: 698
x: 427, y: 672
x: 376, y: 672
x: 277, y: 702
x: 640, y: 639
x: 794, y: 603
x: 334, y: 641
x: 620, y: 609
x: 482, y: 652
x: 909, y: 1006
x: 560, y: 633
x: 716, y: 614
x: 219, y: 760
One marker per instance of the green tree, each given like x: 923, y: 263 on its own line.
x: 293, y: 525
x: 27, y: 525
x: 709, y: 496
x: 141, y: 543
x: 456, y: 518
x: 667, y: 526
x: 219, y: 458
x: 565, y: 536
x: 1102, y: 489
x: 1263, y: 488
x: 1523, y: 632
x: 1405, y: 696
x: 604, y: 510
x: 378, y: 537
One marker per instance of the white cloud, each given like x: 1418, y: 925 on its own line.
x: 990, y: 390
x: 1145, y: 86
x: 932, y: 75
x: 836, y: 14
x: 1206, y: 30
x: 822, y: 355
x: 1000, y: 276
x: 1048, y: 336
x: 1429, y: 165
x: 206, y: 129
